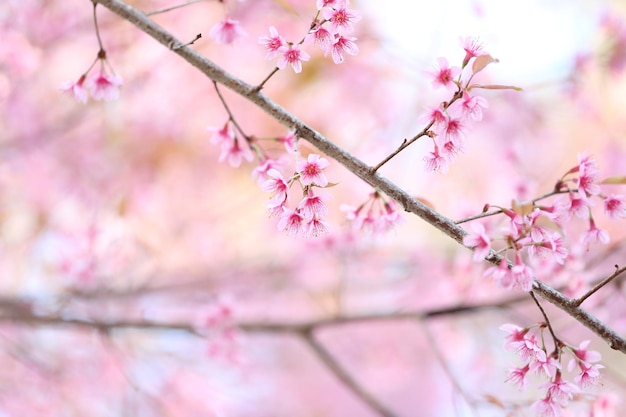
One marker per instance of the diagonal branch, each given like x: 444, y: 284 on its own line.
x: 355, y: 165
x: 333, y: 364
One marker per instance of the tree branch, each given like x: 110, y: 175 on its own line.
x: 356, y: 166
x: 333, y: 364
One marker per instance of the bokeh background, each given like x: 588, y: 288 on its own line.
x: 137, y: 273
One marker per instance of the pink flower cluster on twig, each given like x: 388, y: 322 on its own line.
x: 329, y: 29
x: 534, y: 232
x: 536, y: 360
x: 448, y: 121
x: 104, y: 85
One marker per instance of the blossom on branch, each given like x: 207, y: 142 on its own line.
x: 292, y: 55
x: 227, y: 31
x: 311, y: 170
x: 76, y: 89
x: 479, y: 241
x: 444, y: 75
x: 614, y: 206
x: 104, y: 86
x: 341, y: 45
x: 341, y: 19
x: 272, y: 43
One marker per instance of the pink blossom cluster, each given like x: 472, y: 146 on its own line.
x: 329, y: 30
x: 536, y: 359
x: 306, y: 219
x: 101, y: 86
x: 534, y: 232
x: 376, y: 215
x: 447, y: 123
x: 233, y: 149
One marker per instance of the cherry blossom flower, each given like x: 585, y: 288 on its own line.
x: 316, y: 227
x: 454, y: 130
x: 560, y: 211
x: 472, y: 106
x: 227, y: 31
x: 560, y: 390
x: 293, y: 56
x: 444, y: 76
x: 226, y: 134
x: 472, y: 47
x: 516, y: 222
x: 521, y: 274
x: 276, y: 185
x: 589, y: 374
x: 260, y: 173
x: 589, y: 370
x: 231, y: 150
x: 390, y: 217
x: 585, y: 355
x: 234, y: 153
x: 293, y: 222
x: 311, y: 170
x: 547, y: 408
x: 545, y: 364
x: 594, y: 234
x: 529, y: 350
x: 588, y: 174
x: 320, y: 36
x: 76, y: 89
x: 500, y: 274
x: 516, y: 335
x: 517, y: 376
x: 272, y: 43
x: 104, y: 86
x: 579, y: 206
x: 544, y: 244
x: 289, y: 141
x: 341, y: 19
x: 435, y: 115
x: 479, y: 241
x: 313, y: 205
x: 614, y: 206
x: 587, y: 185
x: 436, y: 162
x: 276, y: 207
x: 341, y: 45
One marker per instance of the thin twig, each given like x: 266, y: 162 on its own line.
x: 557, y: 342
x: 581, y: 299
x: 266, y: 79
x: 167, y: 9
x: 231, y: 117
x: 478, y: 216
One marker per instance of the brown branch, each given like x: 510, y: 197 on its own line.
x: 335, y: 367
x: 356, y: 166
x: 22, y: 312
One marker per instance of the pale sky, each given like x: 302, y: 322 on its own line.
x: 534, y: 39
